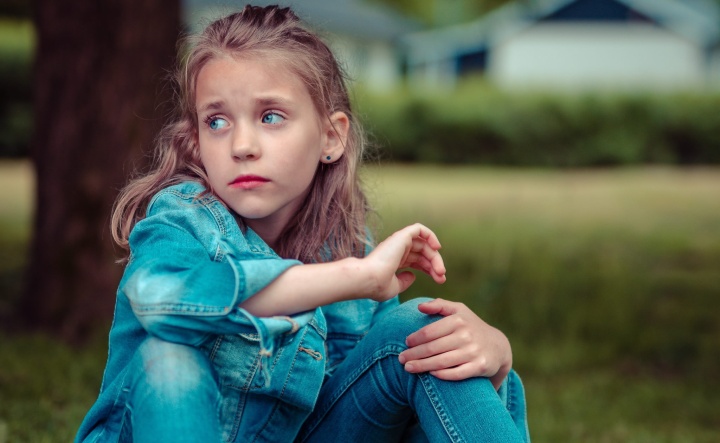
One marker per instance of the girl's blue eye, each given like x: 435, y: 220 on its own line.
x: 217, y: 123
x: 272, y: 118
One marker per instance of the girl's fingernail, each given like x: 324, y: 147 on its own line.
x: 409, y: 367
x: 401, y: 358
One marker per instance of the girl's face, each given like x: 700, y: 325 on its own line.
x: 261, y: 139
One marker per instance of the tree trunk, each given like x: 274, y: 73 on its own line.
x: 97, y: 105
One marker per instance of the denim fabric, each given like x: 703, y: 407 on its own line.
x: 185, y: 361
x: 191, y: 265
x: 370, y: 397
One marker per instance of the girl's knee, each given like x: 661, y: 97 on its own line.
x: 405, y: 319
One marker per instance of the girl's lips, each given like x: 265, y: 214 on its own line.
x: 248, y: 182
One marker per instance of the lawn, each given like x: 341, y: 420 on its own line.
x: 605, y: 281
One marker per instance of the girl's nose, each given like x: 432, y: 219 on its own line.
x: 245, y: 146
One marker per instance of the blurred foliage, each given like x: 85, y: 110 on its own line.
x: 474, y: 123
x: 16, y: 200
x: 446, y: 12
x: 16, y: 49
x: 443, y: 12
x: 479, y: 124
x: 16, y: 8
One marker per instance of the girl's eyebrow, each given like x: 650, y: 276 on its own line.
x: 273, y: 100
x: 212, y: 106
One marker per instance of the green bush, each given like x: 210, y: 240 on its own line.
x: 477, y: 124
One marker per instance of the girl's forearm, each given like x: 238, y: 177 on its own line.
x: 306, y: 287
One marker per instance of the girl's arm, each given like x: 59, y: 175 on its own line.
x: 375, y: 276
x: 457, y: 347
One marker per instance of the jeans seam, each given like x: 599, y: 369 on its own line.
x: 442, y: 415
x: 393, y: 349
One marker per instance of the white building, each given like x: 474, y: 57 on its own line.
x: 577, y: 44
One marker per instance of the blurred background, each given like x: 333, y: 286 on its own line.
x: 566, y: 152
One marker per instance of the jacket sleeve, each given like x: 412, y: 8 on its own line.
x: 185, y: 282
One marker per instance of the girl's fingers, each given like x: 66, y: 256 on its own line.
x: 429, y: 349
x: 418, y: 230
x: 422, y: 264
x: 418, y: 244
x: 404, y: 279
x: 460, y: 372
x: 441, y: 307
x: 415, y: 258
x: 438, y: 362
x: 421, y: 247
x: 438, y: 266
x: 433, y: 331
x: 433, y: 267
x: 426, y: 260
x: 424, y: 250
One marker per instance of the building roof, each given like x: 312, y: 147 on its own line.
x: 355, y: 18
x: 696, y: 20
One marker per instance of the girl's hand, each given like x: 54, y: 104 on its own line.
x: 415, y: 247
x: 457, y: 347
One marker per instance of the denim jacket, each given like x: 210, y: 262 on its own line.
x: 191, y: 266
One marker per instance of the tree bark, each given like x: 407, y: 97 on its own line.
x: 97, y: 82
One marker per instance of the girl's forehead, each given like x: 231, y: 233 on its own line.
x: 271, y: 63
x: 230, y: 78
x: 249, y: 70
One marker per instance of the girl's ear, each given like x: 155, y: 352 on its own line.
x: 336, y: 132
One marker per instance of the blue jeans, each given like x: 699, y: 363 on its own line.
x: 174, y: 396
x: 370, y: 397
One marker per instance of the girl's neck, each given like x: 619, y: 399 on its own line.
x: 266, y: 231
x: 261, y: 229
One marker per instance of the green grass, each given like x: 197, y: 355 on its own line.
x: 571, y: 253
x: 605, y: 281
x: 46, y: 387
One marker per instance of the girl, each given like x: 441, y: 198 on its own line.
x: 252, y: 308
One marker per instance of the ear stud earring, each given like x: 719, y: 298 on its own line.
x: 328, y: 157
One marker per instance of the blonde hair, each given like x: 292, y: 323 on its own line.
x: 332, y: 223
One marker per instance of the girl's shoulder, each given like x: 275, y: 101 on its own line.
x: 188, y: 212
x: 183, y: 195
x: 187, y: 191
x: 192, y: 202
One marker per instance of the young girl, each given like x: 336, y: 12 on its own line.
x: 252, y: 307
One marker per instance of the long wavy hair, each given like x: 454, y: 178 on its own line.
x: 332, y: 221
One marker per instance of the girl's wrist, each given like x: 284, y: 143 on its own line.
x: 364, y: 282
